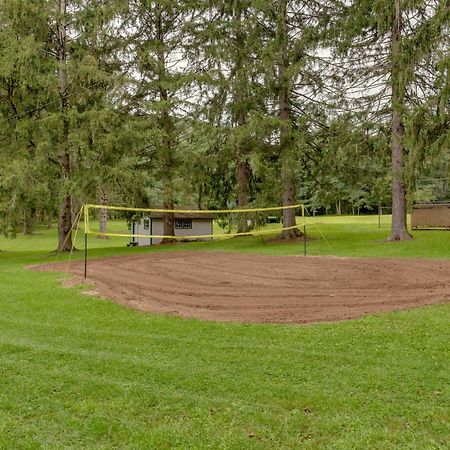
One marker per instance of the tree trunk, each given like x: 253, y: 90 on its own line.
x: 65, y: 225
x: 200, y: 196
x: 26, y: 222
x: 49, y: 219
x: 168, y: 203
x: 75, y: 211
x: 103, y: 219
x: 65, y: 214
x: 168, y: 219
x: 445, y: 180
x: 242, y: 176
x: 167, y: 129
x: 286, y: 138
x: 399, y: 230
x: 243, y: 225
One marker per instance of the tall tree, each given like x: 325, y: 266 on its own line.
x: 290, y: 53
x: 285, y: 112
x: 157, y: 33
x: 399, y: 230
x: 241, y: 101
x: 64, y: 157
x: 225, y: 49
x: 23, y: 79
x: 101, y: 130
x: 387, y: 43
x: 82, y: 81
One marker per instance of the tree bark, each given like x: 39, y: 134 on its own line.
x: 286, y: 138
x: 242, y: 176
x: 75, y: 211
x: 65, y: 225
x: 26, y: 222
x: 399, y: 229
x: 242, y: 169
x: 103, y: 219
x: 65, y: 214
x: 167, y: 129
x: 200, y: 196
x: 49, y: 219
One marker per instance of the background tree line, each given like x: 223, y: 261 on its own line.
x: 343, y: 105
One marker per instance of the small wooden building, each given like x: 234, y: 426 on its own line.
x: 431, y: 216
x: 193, y: 224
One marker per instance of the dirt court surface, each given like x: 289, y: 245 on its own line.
x: 259, y: 288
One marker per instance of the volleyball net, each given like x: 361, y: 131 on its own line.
x: 188, y: 224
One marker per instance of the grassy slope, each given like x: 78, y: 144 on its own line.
x: 82, y: 372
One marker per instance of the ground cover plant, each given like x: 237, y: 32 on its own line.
x: 82, y: 372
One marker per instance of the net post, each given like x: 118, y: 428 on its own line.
x: 85, y: 210
x: 379, y: 215
x: 85, y: 254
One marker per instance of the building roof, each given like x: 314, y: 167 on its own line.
x: 431, y: 205
x: 196, y: 215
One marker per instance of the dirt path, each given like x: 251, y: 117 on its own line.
x: 259, y: 288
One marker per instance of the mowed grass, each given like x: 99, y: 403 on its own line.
x: 81, y: 372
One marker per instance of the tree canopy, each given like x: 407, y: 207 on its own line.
x: 342, y: 105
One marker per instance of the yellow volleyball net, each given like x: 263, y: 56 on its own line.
x: 144, y: 226
x: 258, y: 221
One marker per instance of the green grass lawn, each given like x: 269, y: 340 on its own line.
x: 80, y: 372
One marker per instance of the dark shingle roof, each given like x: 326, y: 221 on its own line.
x: 196, y: 215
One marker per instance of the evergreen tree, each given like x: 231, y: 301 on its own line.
x: 101, y: 129
x: 219, y: 103
x: 226, y: 45
x: 22, y: 80
x: 82, y: 81
x: 290, y: 49
x: 385, y: 40
x: 157, y: 35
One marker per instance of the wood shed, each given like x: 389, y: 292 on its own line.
x: 429, y: 216
x: 196, y: 224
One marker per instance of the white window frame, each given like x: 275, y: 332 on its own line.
x: 183, y: 224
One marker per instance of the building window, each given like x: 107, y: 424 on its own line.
x: 183, y: 223
x: 146, y: 224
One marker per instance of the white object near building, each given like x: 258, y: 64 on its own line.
x: 194, y: 224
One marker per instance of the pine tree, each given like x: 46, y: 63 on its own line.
x: 384, y: 42
x: 61, y: 50
x: 289, y: 50
x: 22, y: 81
x: 225, y: 49
x: 100, y: 130
x: 285, y: 114
x: 82, y: 82
x: 157, y: 33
